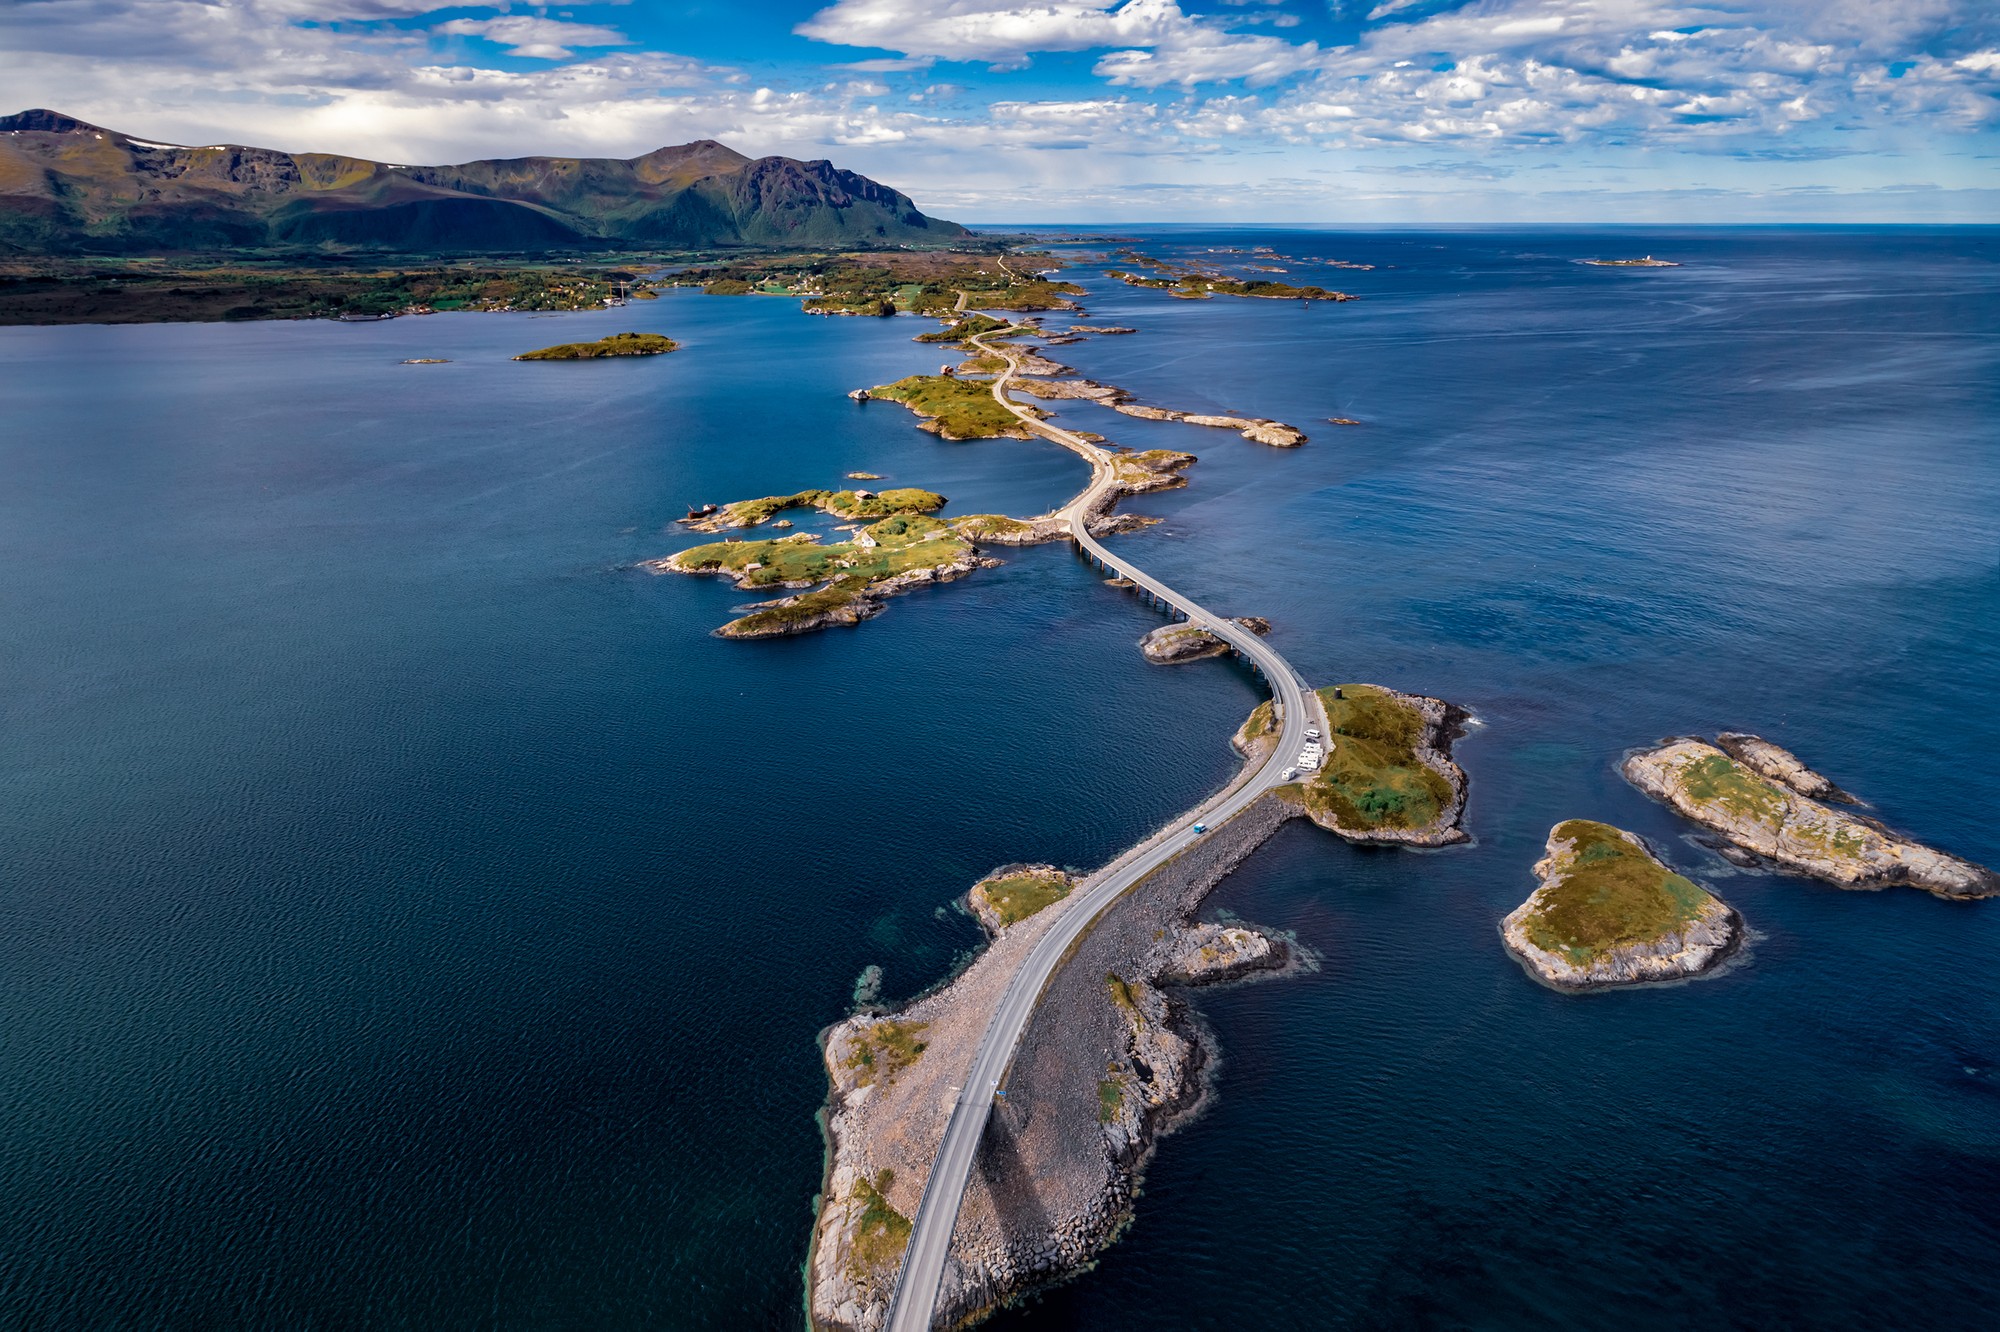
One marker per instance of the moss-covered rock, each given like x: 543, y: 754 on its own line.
x: 1609, y: 913
x: 1771, y: 820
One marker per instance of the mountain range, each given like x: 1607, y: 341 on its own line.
x: 68, y: 187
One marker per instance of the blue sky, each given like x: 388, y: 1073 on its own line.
x: 1324, y: 111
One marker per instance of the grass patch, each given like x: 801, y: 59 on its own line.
x: 882, y: 1233
x: 969, y: 327
x: 1607, y: 893
x: 727, y: 287
x: 881, y: 504
x: 1277, y: 291
x: 989, y: 525
x: 840, y: 503
x: 1121, y: 995
x: 1019, y: 896
x: 1372, y: 778
x: 902, y: 542
x: 1716, y: 779
x: 797, y: 613
x: 886, y: 1049
x: 1137, y: 279
x: 1263, y: 721
x: 962, y: 409
x: 618, y: 344
x: 1110, y: 1099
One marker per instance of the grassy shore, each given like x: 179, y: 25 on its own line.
x: 618, y: 344
x: 888, y: 1048
x: 1606, y: 892
x: 1373, y: 778
x: 1019, y: 896
x: 954, y: 408
x: 143, y: 291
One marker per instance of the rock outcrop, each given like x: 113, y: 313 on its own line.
x: 1609, y: 913
x: 1780, y: 765
x: 1257, y: 428
x: 1771, y: 820
x: 1171, y: 644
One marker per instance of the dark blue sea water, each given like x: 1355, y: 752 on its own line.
x: 410, y: 917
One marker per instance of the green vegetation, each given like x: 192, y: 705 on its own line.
x: 882, y: 1233
x: 1121, y: 995
x: 1372, y: 778
x: 795, y: 614
x: 618, y: 344
x: 900, y: 543
x: 1278, y: 291
x: 1606, y: 893
x: 1262, y: 722
x: 1195, y: 284
x: 726, y: 287
x: 969, y: 327
x: 140, y: 291
x: 925, y: 282
x: 841, y: 503
x: 1716, y: 779
x: 990, y: 525
x: 1019, y: 896
x: 957, y: 408
x: 886, y: 1049
x: 1110, y: 1099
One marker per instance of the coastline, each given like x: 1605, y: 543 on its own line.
x: 1066, y: 1150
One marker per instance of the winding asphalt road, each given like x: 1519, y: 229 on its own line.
x: 915, y: 1302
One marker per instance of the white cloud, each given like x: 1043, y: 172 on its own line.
x: 539, y: 38
x: 1166, y: 46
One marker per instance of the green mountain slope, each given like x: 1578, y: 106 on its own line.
x: 67, y: 187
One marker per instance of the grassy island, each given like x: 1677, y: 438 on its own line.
x: 1373, y: 779
x: 892, y: 546
x: 883, y: 558
x: 1609, y: 913
x: 618, y: 344
x: 1604, y: 892
x: 954, y: 408
x: 840, y: 503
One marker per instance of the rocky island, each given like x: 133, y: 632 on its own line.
x: 1764, y: 814
x: 1171, y: 644
x: 1609, y: 913
x: 618, y: 344
x: 893, y: 548
x: 1647, y: 262
x: 1388, y: 775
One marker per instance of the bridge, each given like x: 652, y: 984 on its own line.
x: 915, y: 1302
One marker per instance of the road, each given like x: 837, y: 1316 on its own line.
x: 915, y: 1301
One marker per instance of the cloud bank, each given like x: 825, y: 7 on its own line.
x: 1562, y: 100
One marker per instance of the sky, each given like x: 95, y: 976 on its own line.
x: 1106, y: 111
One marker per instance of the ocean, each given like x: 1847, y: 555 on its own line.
x: 411, y: 916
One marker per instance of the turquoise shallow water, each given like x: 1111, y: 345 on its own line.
x: 412, y: 917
